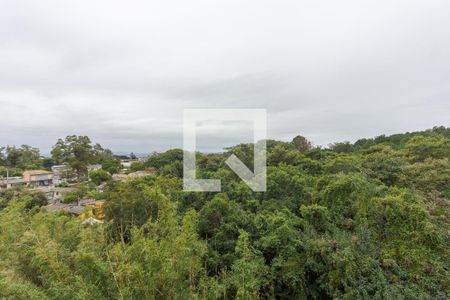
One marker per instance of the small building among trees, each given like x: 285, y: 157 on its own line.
x: 37, y: 178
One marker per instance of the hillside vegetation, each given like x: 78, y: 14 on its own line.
x: 363, y: 220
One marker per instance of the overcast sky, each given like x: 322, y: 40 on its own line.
x: 123, y: 71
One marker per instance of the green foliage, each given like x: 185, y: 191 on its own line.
x: 132, y: 204
x: 343, y: 164
x: 71, y: 197
x: 248, y: 272
x: 23, y: 158
x: 112, y: 166
x: 167, y: 163
x: 78, y: 153
x: 6, y: 196
x: 302, y: 144
x: 428, y: 176
x: 12, y: 172
x: 420, y: 148
x: 37, y: 199
x: 385, y: 167
x: 342, y: 147
x: 315, y: 215
x: 81, y: 190
x: 62, y: 184
x: 99, y: 176
x: 367, y: 220
x: 137, y: 166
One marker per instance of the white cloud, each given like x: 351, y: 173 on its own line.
x: 122, y: 71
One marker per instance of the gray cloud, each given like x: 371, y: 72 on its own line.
x: 122, y: 72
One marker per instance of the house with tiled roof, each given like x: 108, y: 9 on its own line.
x: 36, y: 178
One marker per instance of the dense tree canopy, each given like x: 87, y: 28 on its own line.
x: 23, y: 157
x: 78, y: 153
x: 99, y: 176
x: 364, y: 220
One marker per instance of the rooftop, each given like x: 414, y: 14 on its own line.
x: 37, y: 172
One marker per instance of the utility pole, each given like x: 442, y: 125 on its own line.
x: 7, y: 177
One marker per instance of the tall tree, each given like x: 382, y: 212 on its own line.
x: 2, y: 156
x: 302, y: 144
x: 23, y: 157
x: 78, y: 153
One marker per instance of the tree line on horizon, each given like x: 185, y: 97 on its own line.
x: 77, y: 152
x: 363, y: 220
